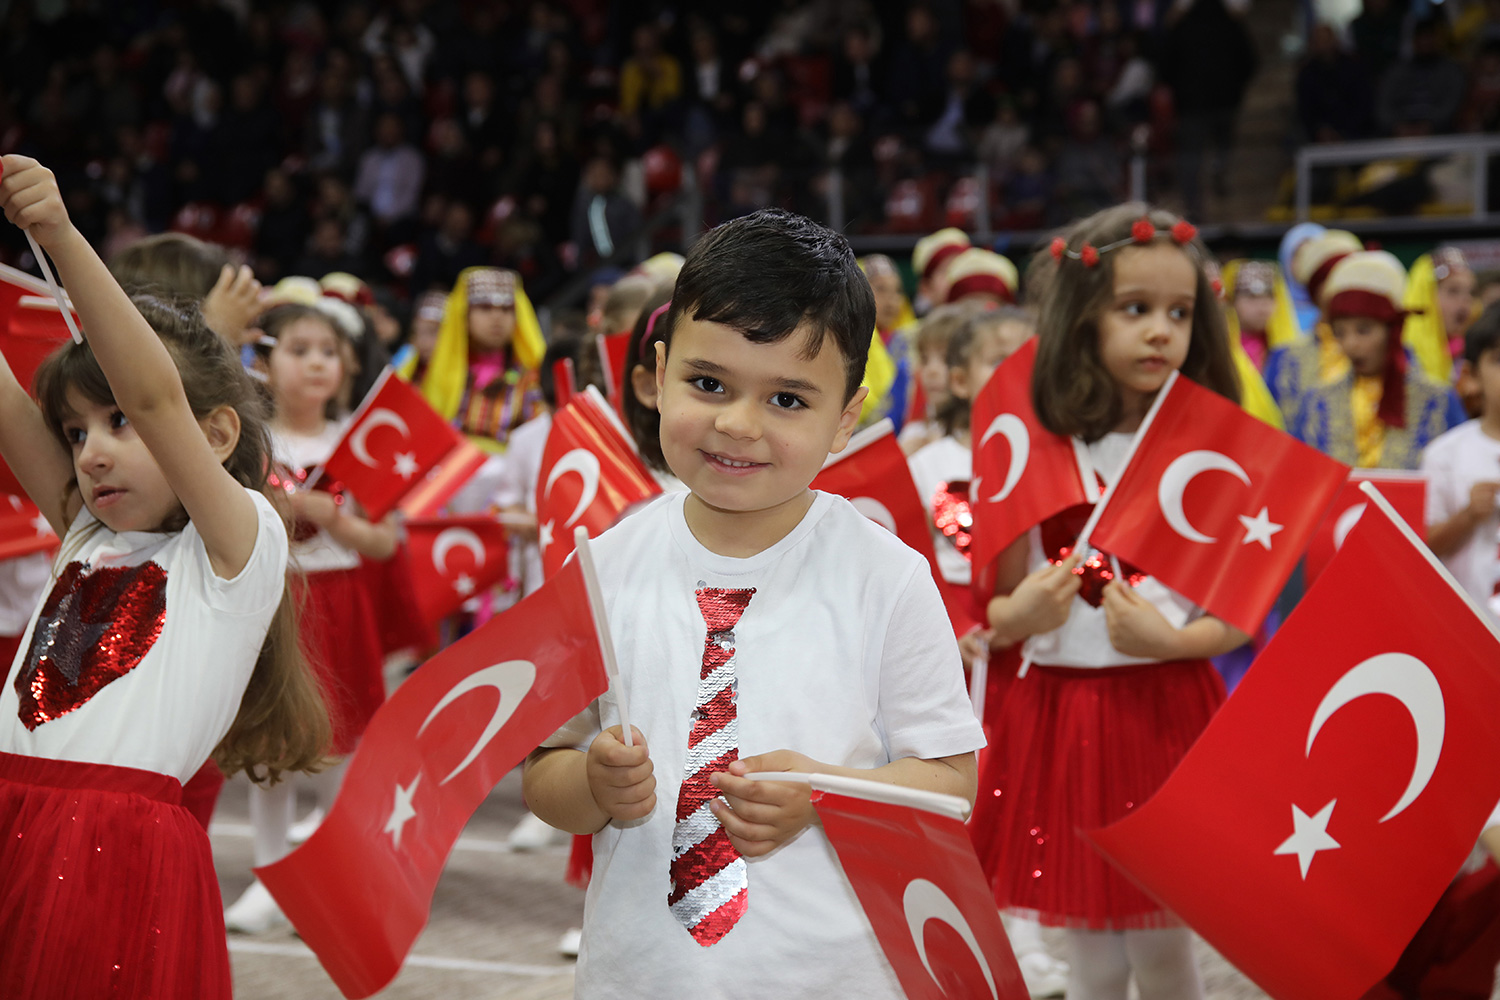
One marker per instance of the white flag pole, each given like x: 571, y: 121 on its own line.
x: 601, y: 628
x: 875, y: 791
x: 979, y: 677
x: 1109, y: 489
x: 41, y: 259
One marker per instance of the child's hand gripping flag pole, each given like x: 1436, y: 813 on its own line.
x: 908, y: 856
x: 360, y: 889
x: 1309, y: 831
x: 601, y: 627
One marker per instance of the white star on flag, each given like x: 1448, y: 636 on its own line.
x: 464, y: 584
x: 402, y: 811
x: 406, y: 464
x: 1259, y: 528
x: 1311, y: 836
x: 544, y: 535
x: 40, y: 524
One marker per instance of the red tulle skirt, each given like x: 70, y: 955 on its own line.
x: 107, y: 887
x: 342, y: 639
x: 1075, y: 750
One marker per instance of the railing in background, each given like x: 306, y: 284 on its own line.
x: 1480, y: 147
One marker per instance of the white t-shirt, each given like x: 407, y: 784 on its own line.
x: 844, y: 654
x: 932, y: 468
x: 515, y: 486
x: 168, y: 712
x: 23, y: 581
x: 1453, y: 463
x: 303, y: 453
x: 1083, y: 640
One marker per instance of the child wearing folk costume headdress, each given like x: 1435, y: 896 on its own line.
x: 1440, y: 296
x: 1383, y: 410
x: 1314, y: 357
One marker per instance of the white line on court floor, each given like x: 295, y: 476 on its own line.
x: 418, y: 961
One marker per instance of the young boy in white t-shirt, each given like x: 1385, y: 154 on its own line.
x: 760, y: 626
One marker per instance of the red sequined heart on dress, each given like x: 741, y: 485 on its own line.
x: 1060, y: 532
x: 952, y: 514
x: 94, y: 628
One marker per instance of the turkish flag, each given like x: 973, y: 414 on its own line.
x: 453, y: 558
x: 612, y: 350
x: 919, y: 882
x: 391, y: 445
x: 1310, y: 830
x: 586, y: 447
x: 563, y: 381
x: 1023, y: 473
x: 31, y: 327
x: 1214, y: 503
x: 1406, y: 491
x: 359, y: 890
x: 23, y: 529
x: 873, y: 475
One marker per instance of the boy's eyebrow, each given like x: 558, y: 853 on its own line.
x: 701, y: 366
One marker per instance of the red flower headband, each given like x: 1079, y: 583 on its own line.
x: 1143, y: 230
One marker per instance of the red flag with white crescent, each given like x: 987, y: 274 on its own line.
x: 872, y: 473
x: 1023, y: 473
x: 393, y: 442
x: 1406, y: 491
x: 454, y: 558
x: 913, y: 867
x: 612, y: 350
x: 360, y: 889
x: 31, y: 327
x: 1310, y: 830
x: 23, y: 529
x: 590, y: 475
x: 1215, y: 504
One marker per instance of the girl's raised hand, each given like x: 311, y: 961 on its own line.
x: 233, y: 303
x: 1136, y: 628
x: 31, y: 199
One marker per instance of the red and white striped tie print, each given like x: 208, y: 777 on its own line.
x: 709, y: 878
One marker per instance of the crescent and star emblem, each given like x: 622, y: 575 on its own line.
x: 513, y: 680
x: 1187, y: 467
x: 1345, y: 524
x: 1412, y: 683
x: 1013, y: 428
x: 875, y: 511
x: 446, y: 540
x: 586, y: 464
x: 405, y: 462
x: 923, y: 901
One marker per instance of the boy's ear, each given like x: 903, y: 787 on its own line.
x: 222, y: 428
x: 849, y: 420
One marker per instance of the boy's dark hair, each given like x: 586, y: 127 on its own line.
x: 769, y: 274
x: 1070, y: 389
x: 1483, y: 334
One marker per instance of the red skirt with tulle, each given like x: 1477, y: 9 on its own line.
x: 1075, y: 750
x: 107, y: 887
x: 341, y: 636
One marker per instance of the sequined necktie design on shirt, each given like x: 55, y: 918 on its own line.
x: 709, y: 878
x: 93, y: 629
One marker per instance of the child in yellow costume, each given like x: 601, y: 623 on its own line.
x: 483, y: 372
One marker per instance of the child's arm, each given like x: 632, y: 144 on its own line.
x: 372, y: 539
x: 141, y: 374
x: 582, y: 792
x: 42, y: 465
x: 1136, y: 628
x: 763, y: 815
x: 1029, y: 604
x: 1447, y: 537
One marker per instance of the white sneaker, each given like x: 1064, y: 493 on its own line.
x: 1045, y: 976
x: 567, y: 945
x: 303, y: 828
x: 532, y: 834
x: 255, y: 912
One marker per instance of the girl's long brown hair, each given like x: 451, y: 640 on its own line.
x: 1070, y: 389
x: 282, y: 723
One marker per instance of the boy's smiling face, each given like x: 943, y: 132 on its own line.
x: 747, y: 426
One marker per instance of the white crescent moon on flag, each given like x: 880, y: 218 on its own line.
x: 378, y: 418
x: 1409, y: 681
x: 512, y: 679
x: 1014, y: 430
x: 449, y: 537
x: 924, y: 901
x: 875, y: 511
x: 1183, y: 470
x: 586, y: 464
x: 1345, y: 524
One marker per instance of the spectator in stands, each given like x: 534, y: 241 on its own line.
x: 444, y: 252
x: 482, y: 122
x: 328, y: 251
x: 452, y: 169
x: 650, y: 83
x: 604, y: 218
x: 857, y: 75
x: 844, y: 146
x: 336, y: 129
x: 389, y: 183
x: 1208, y: 59
x: 545, y: 181
x: 710, y: 89
x: 1335, y: 99
x: 966, y: 108
x: 1377, y: 32
x: 1421, y: 95
x: 249, y: 140
x: 918, y: 70
x: 1089, y: 170
x: 1003, y: 140
x: 283, y: 229
x: 1481, y: 111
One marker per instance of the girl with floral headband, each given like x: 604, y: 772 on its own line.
x: 1120, y: 683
